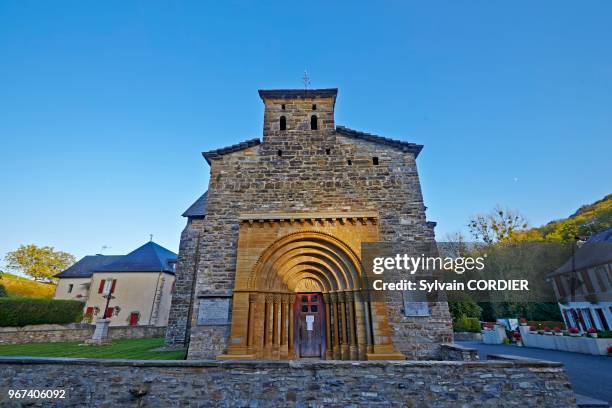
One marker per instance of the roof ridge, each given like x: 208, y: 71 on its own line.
x: 404, y: 146
x: 214, y: 154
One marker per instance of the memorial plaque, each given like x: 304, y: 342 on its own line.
x: 214, y: 311
x: 416, y: 308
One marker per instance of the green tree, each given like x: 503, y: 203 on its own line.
x: 40, y: 263
x: 496, y: 226
x: 3, y: 292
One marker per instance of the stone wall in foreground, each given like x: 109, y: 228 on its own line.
x: 53, y: 333
x: 290, y: 383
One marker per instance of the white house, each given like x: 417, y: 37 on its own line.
x: 140, y: 283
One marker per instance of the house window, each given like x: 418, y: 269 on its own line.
x: 89, y: 311
x: 350, y: 162
x: 283, y: 123
x: 134, y: 317
x: 328, y: 151
x: 314, y: 106
x: 70, y: 287
x: 283, y: 106
x: 375, y: 161
x: 314, y: 125
x: 279, y: 153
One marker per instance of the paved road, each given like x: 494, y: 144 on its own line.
x: 589, y: 375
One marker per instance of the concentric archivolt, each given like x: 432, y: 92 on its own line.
x: 308, y: 255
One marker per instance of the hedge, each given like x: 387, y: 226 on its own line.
x: 467, y: 324
x: 17, y: 312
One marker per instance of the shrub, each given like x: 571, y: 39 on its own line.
x: 467, y: 324
x: 606, y: 334
x: 3, y: 291
x: 19, y: 312
x: 592, y: 330
x: 573, y: 330
x: 460, y: 304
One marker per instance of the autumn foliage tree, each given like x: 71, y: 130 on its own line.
x: 497, y: 226
x: 40, y: 263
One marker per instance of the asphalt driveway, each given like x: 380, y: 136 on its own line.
x: 590, y: 375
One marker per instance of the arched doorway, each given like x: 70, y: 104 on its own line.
x: 304, y: 298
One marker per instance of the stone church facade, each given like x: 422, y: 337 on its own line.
x: 270, y: 261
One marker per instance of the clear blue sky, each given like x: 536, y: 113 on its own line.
x: 105, y: 106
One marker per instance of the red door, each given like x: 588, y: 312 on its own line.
x: 309, y: 325
x: 134, y: 319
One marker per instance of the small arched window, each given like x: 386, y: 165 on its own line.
x: 283, y: 123
x: 314, y: 125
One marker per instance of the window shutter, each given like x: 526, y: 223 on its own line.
x: 113, y: 286
x: 89, y: 311
x: 109, y: 312
x: 101, y: 288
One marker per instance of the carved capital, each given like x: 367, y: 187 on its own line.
x: 269, y: 297
x: 277, y: 298
x: 253, y: 297
x: 333, y: 297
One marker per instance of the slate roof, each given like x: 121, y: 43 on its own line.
x: 403, y: 146
x: 214, y: 154
x: 596, y: 251
x: 150, y: 257
x: 85, y: 266
x: 297, y: 93
x: 198, y: 208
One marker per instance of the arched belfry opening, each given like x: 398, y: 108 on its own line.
x: 314, y: 122
x: 305, y: 297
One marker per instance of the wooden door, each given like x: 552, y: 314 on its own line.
x: 309, y: 325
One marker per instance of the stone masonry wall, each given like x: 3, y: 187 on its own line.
x: 58, y: 333
x: 187, y: 263
x: 312, y: 174
x: 108, y: 383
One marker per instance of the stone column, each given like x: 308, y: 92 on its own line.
x: 291, y: 326
x: 344, y: 345
x: 276, y: 322
x: 328, y: 333
x: 284, y: 349
x: 350, y: 315
x: 269, y: 325
x: 251, y: 322
x: 333, y: 297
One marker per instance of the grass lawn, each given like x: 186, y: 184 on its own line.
x: 134, y: 349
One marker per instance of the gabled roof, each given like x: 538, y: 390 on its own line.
x: 403, y: 146
x: 596, y: 251
x: 297, y: 93
x: 85, y: 267
x: 214, y: 154
x: 150, y: 257
x: 198, y: 208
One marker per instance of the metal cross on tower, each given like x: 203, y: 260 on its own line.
x: 306, y: 80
